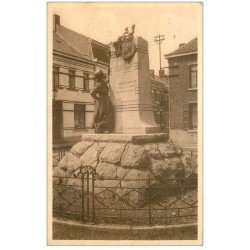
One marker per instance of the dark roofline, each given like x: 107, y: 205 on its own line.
x: 70, y: 56
x: 188, y: 49
x: 91, y: 39
x: 99, y: 43
x: 159, y: 81
x: 178, y: 55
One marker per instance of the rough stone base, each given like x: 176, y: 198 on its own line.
x: 123, y: 162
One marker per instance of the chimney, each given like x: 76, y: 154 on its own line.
x: 152, y: 73
x: 181, y: 45
x: 56, y: 20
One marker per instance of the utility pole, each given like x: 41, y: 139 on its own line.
x: 159, y: 39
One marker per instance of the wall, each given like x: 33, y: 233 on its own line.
x: 180, y: 97
x: 159, y: 89
x: 79, y: 95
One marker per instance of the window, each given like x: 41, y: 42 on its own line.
x: 153, y: 94
x: 161, y: 120
x: 72, y: 79
x: 55, y: 76
x: 79, y: 116
x: 193, y: 76
x: 167, y: 103
x: 193, y: 116
x: 163, y: 99
x: 158, y: 96
x: 86, y: 82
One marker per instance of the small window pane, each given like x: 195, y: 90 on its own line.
x: 79, y: 116
x: 193, y: 116
x: 55, y: 76
x: 71, y: 79
x: 86, y: 82
x: 193, y: 76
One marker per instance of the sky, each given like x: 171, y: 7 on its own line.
x: 104, y: 22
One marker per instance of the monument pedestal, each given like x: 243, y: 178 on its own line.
x: 122, y: 162
x: 126, y: 138
x: 130, y: 90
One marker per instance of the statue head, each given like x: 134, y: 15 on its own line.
x: 99, y: 75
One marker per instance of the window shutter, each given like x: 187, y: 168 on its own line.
x: 185, y: 117
x: 87, y: 82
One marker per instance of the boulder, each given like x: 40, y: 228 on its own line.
x: 179, y: 150
x: 166, y: 149
x: 90, y: 157
x: 60, y: 176
x: 121, y: 172
x: 134, y: 186
x: 168, y: 168
x: 106, y: 170
x: 80, y: 147
x: 112, y: 153
x: 176, y: 167
x: 158, y: 168
x: 137, y: 178
x: 135, y: 156
x: 69, y: 163
x: 153, y: 150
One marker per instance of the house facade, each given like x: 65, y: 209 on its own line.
x: 160, y: 97
x: 75, y: 59
x: 183, y: 88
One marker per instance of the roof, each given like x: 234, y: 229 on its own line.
x: 100, y: 51
x: 188, y: 48
x: 60, y: 45
x: 159, y: 80
x: 75, y: 44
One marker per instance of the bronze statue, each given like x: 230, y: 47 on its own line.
x: 104, y: 113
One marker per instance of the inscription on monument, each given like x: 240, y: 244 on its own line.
x: 124, y: 85
x: 131, y: 92
x: 125, y: 68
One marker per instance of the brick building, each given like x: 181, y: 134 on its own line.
x: 75, y: 58
x: 183, y: 94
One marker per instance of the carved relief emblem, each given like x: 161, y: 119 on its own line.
x: 124, y: 46
x: 128, y: 50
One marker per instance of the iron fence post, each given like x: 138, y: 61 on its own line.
x: 60, y: 211
x: 87, y: 196
x: 179, y: 195
x: 149, y: 204
x: 82, y: 178
x: 93, y: 197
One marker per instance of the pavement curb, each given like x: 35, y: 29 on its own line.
x: 75, y: 230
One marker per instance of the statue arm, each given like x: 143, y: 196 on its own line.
x: 94, y: 92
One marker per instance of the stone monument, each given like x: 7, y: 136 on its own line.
x: 130, y: 85
x: 136, y: 151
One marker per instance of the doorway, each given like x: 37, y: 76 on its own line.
x: 57, y: 121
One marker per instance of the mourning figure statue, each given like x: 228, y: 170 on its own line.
x: 104, y: 113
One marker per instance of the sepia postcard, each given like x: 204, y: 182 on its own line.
x: 125, y: 123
